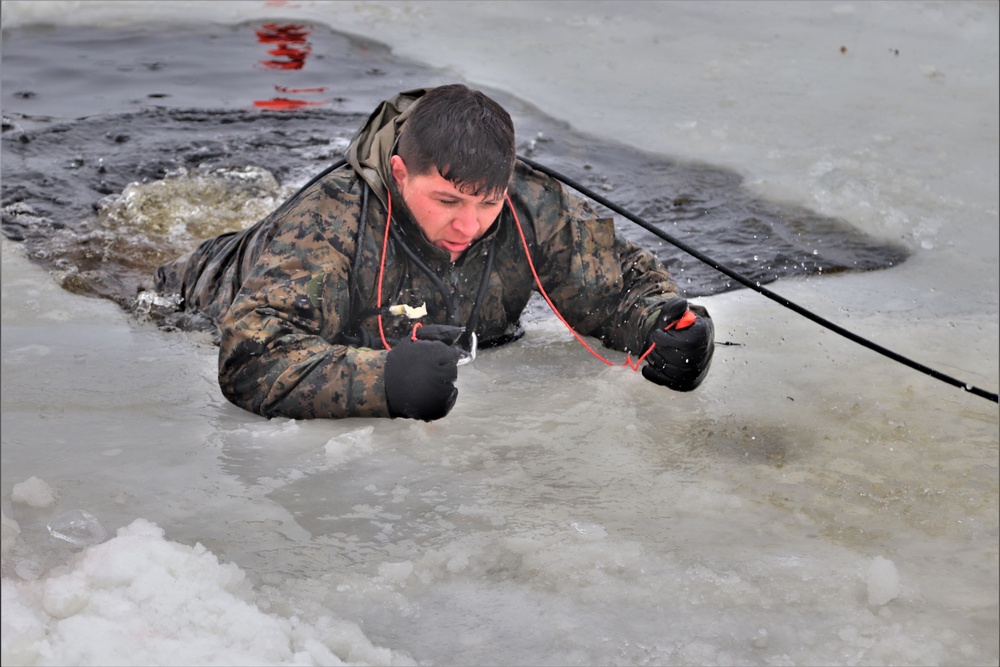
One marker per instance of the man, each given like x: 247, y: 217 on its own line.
x: 357, y: 295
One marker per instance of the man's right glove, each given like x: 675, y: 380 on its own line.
x: 682, y: 356
x: 420, y: 379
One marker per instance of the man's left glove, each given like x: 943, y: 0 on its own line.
x: 682, y: 356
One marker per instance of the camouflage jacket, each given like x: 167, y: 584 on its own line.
x: 295, y: 296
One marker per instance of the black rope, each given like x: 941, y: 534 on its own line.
x: 353, y: 290
x: 992, y: 396
x: 333, y: 167
x: 484, y: 285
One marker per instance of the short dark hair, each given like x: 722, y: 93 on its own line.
x: 466, y: 135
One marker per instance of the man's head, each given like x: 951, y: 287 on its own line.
x: 453, y: 162
x: 463, y: 134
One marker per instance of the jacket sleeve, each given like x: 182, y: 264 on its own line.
x: 276, y: 357
x: 604, y: 286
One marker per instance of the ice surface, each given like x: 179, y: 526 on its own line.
x: 812, y: 503
x: 78, y: 527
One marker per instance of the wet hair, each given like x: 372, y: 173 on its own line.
x: 466, y: 135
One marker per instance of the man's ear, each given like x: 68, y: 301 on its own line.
x: 399, y: 172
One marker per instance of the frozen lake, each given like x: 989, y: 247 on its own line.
x: 812, y: 503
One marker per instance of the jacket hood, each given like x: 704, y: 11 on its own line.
x: 373, y: 145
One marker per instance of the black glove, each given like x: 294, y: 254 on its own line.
x: 681, y: 357
x: 445, y: 333
x: 420, y: 379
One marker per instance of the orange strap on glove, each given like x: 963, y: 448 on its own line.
x: 687, y: 319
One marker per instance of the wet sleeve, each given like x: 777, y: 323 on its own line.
x: 605, y: 286
x: 275, y: 356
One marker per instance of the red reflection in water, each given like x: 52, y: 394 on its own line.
x: 296, y: 60
x: 291, y: 49
x: 284, y: 104
x: 285, y: 36
x: 272, y: 33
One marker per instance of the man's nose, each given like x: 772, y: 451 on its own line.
x: 466, y: 222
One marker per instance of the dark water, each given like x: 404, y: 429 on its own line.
x: 202, y: 117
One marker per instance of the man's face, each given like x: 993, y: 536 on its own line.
x: 449, y: 218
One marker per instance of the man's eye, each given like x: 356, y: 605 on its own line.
x: 447, y: 202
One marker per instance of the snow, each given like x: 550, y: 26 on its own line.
x: 883, y: 581
x: 140, y: 599
x: 34, y: 492
x: 812, y: 503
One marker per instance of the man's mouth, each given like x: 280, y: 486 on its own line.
x: 454, y: 246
